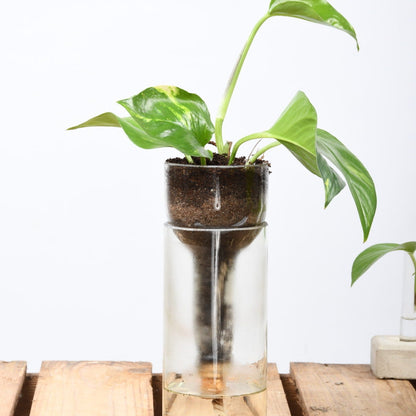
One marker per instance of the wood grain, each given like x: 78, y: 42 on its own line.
x: 276, y: 396
x: 12, y: 376
x: 351, y: 390
x: 93, y: 388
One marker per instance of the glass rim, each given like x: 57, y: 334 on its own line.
x: 211, y: 229
x: 192, y: 166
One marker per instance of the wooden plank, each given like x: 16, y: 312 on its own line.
x: 276, y: 397
x: 12, y: 376
x: 93, y: 388
x: 351, y: 390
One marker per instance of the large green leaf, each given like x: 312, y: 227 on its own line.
x: 163, y: 117
x: 317, y: 11
x: 177, y: 117
x: 370, y: 255
x: 358, y: 179
x: 296, y: 129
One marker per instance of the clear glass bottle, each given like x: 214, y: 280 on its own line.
x: 408, y: 316
x: 215, y: 321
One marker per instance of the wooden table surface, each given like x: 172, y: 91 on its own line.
x: 94, y: 388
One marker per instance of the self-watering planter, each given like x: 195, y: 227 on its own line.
x: 215, y: 290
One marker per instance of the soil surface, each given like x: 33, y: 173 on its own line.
x: 217, y: 160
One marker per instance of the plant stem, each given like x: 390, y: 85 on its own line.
x: 253, y: 136
x: 189, y: 159
x: 223, y: 148
x: 262, y: 150
x: 412, y: 256
x: 203, y: 161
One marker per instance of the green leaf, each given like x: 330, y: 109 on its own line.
x: 137, y: 135
x: 370, y: 255
x: 317, y: 11
x: 296, y: 129
x: 358, y: 179
x: 174, y: 116
x: 332, y: 181
x: 134, y: 132
x: 103, y: 120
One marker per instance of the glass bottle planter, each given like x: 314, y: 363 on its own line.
x: 408, y: 316
x: 215, y: 291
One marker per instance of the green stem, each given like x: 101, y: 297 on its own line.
x: 243, y: 140
x: 412, y: 256
x: 203, y: 161
x: 189, y: 159
x: 262, y: 150
x: 223, y: 148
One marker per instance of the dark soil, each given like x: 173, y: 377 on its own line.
x: 216, y: 196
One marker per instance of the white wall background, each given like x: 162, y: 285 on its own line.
x: 81, y: 213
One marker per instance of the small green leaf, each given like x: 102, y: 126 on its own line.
x: 317, y: 11
x: 358, y: 179
x: 103, y: 120
x: 370, y: 255
x: 174, y: 116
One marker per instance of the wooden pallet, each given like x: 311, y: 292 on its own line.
x: 90, y: 388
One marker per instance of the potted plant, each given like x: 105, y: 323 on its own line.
x: 215, y: 235
x: 394, y: 356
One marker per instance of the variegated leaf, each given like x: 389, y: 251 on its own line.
x: 177, y: 117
